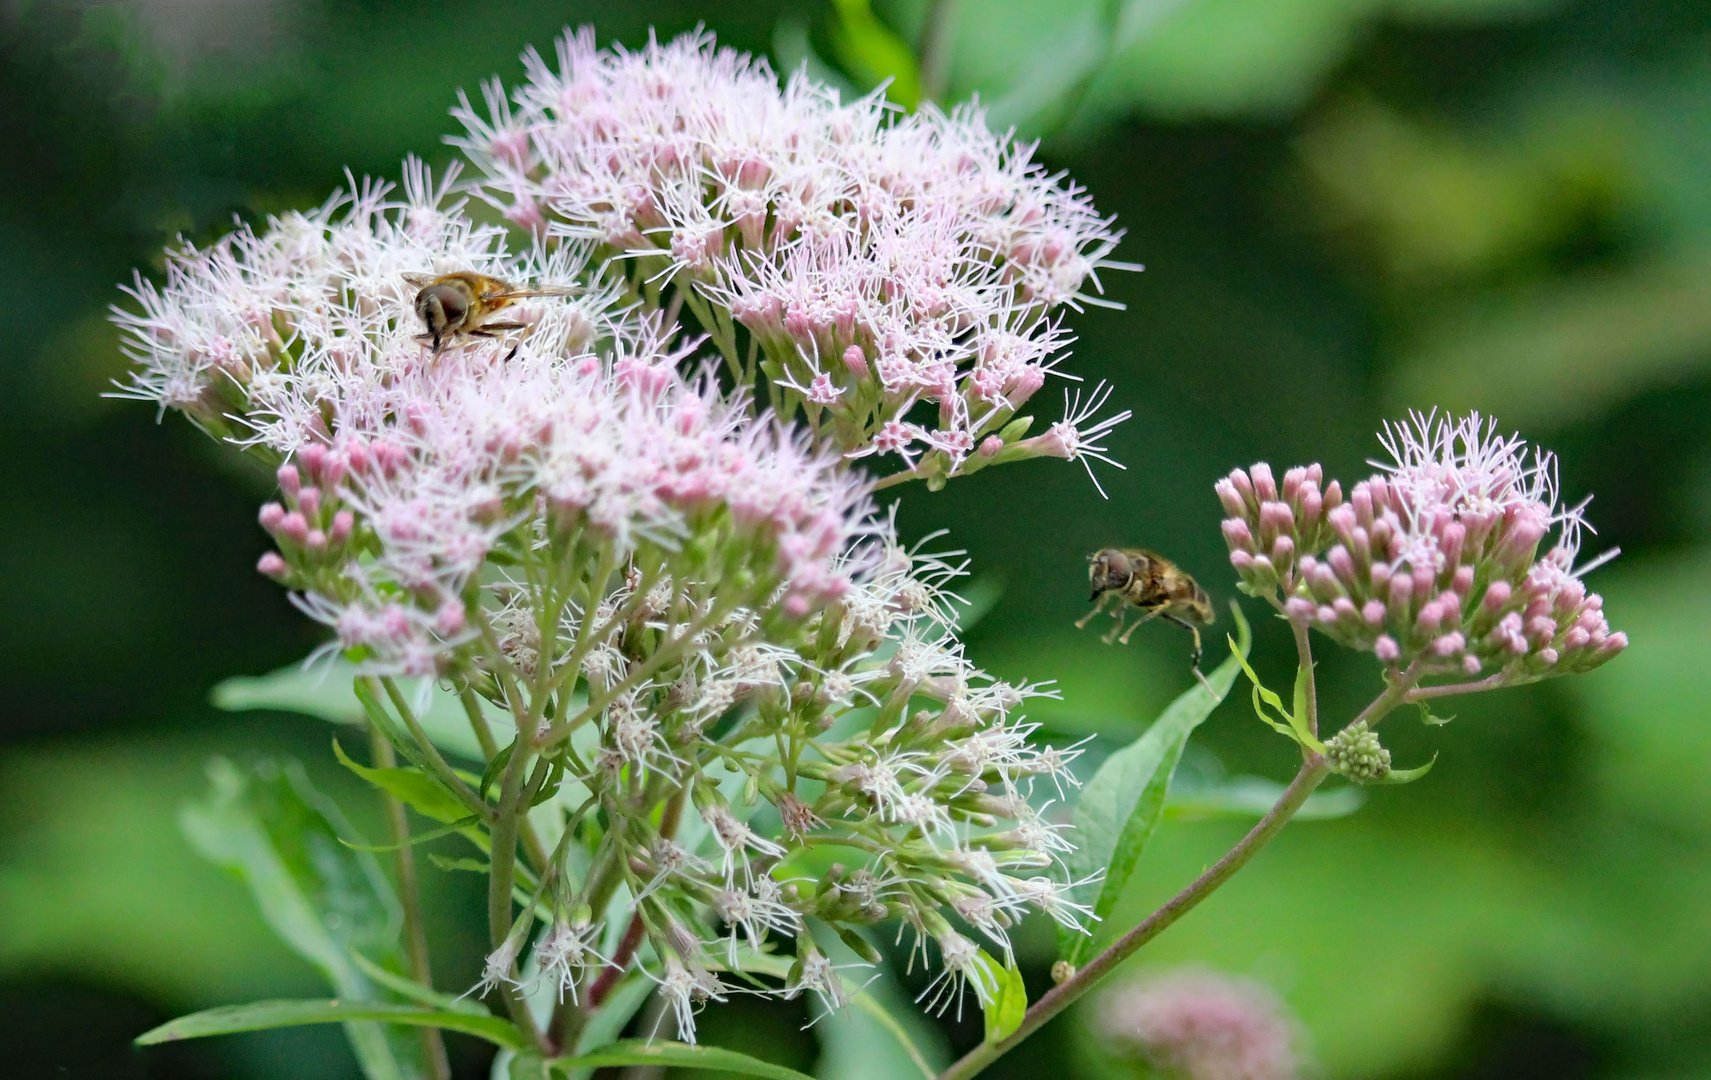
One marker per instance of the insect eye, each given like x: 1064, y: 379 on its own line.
x: 451, y: 302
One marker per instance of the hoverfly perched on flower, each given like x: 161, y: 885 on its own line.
x: 459, y: 305
x: 1147, y: 581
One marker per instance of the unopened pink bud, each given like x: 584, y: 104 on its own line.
x: 289, y: 481
x: 1244, y: 487
x: 796, y: 605
x: 1283, y: 551
x: 1449, y: 644
x: 273, y: 565
x: 1243, y: 561
x: 1548, y: 657
x: 1333, y: 495
x: 1401, y: 592
x: 1462, y: 582
x: 1265, y: 486
x: 309, y: 501
x: 294, y: 528
x: 1237, y: 535
x: 1470, y: 664
x: 1576, y: 638
x: 1431, y: 615
x: 1231, y: 498
x: 856, y: 361
x: 1343, y: 564
x: 313, y: 457
x: 1292, y: 479
x: 1299, y: 608
x: 1345, y: 609
x: 1497, y: 596
x: 1386, y: 649
x: 316, y: 540
x: 1615, y: 643
x: 271, y: 515
x: 343, y: 522
x: 1326, y: 614
x: 1373, y: 611
x: 990, y: 446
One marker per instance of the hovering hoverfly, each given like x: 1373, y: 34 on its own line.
x: 460, y: 305
x: 1132, y: 578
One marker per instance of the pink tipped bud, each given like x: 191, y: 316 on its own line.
x: 273, y: 565
x: 358, y: 456
x: 1431, y: 615
x: 1342, y: 564
x: 316, y: 540
x: 1345, y: 609
x: 294, y: 528
x: 1231, y: 498
x: 1326, y: 614
x: 1497, y: 596
x: 1243, y: 561
x: 343, y: 522
x: 1454, y: 535
x: 1333, y: 495
x: 1299, y: 608
x: 313, y: 457
x: 1401, y: 592
x: 1027, y: 384
x: 1615, y: 643
x: 1342, y: 521
x: 1462, y: 582
x: 1265, y: 486
x: 1449, y: 644
x: 1360, y: 500
x: 271, y: 515
x: 289, y: 481
x: 796, y: 605
x: 1283, y: 551
x: 1373, y: 611
x: 1548, y: 657
x: 1244, y: 487
x: 1237, y: 535
x: 1576, y: 638
x: 309, y: 501
x: 1292, y: 482
x: 1386, y: 649
x: 1263, y: 570
x: 856, y: 361
x: 990, y: 446
x: 1312, y: 506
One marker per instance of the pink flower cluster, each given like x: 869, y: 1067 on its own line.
x: 877, y: 261
x: 1202, y: 1026
x: 405, y: 472
x: 1434, y: 561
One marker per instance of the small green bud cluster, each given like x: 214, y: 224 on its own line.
x: 1354, y: 752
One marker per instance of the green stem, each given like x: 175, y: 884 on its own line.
x: 1304, y: 654
x: 502, y: 876
x: 409, y: 896
x: 1313, y: 771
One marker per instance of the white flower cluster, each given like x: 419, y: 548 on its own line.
x: 876, y: 261
x: 718, y: 659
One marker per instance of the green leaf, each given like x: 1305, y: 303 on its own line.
x: 412, y: 787
x: 321, y: 898
x: 325, y: 691
x: 415, y: 991
x: 1431, y: 719
x: 873, y: 52
x: 1009, y: 1004
x: 1293, y: 722
x: 1408, y: 776
x: 262, y: 1015
x: 678, y: 1055
x: 1121, y: 805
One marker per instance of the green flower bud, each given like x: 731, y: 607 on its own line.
x: 1354, y: 752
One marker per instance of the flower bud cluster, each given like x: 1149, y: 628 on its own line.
x: 876, y: 261
x: 1355, y: 752
x: 690, y: 613
x: 1435, y: 561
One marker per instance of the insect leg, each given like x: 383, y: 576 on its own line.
x: 1081, y: 623
x: 1147, y: 616
x: 1194, y: 661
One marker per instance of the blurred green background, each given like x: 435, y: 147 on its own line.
x: 1346, y: 208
